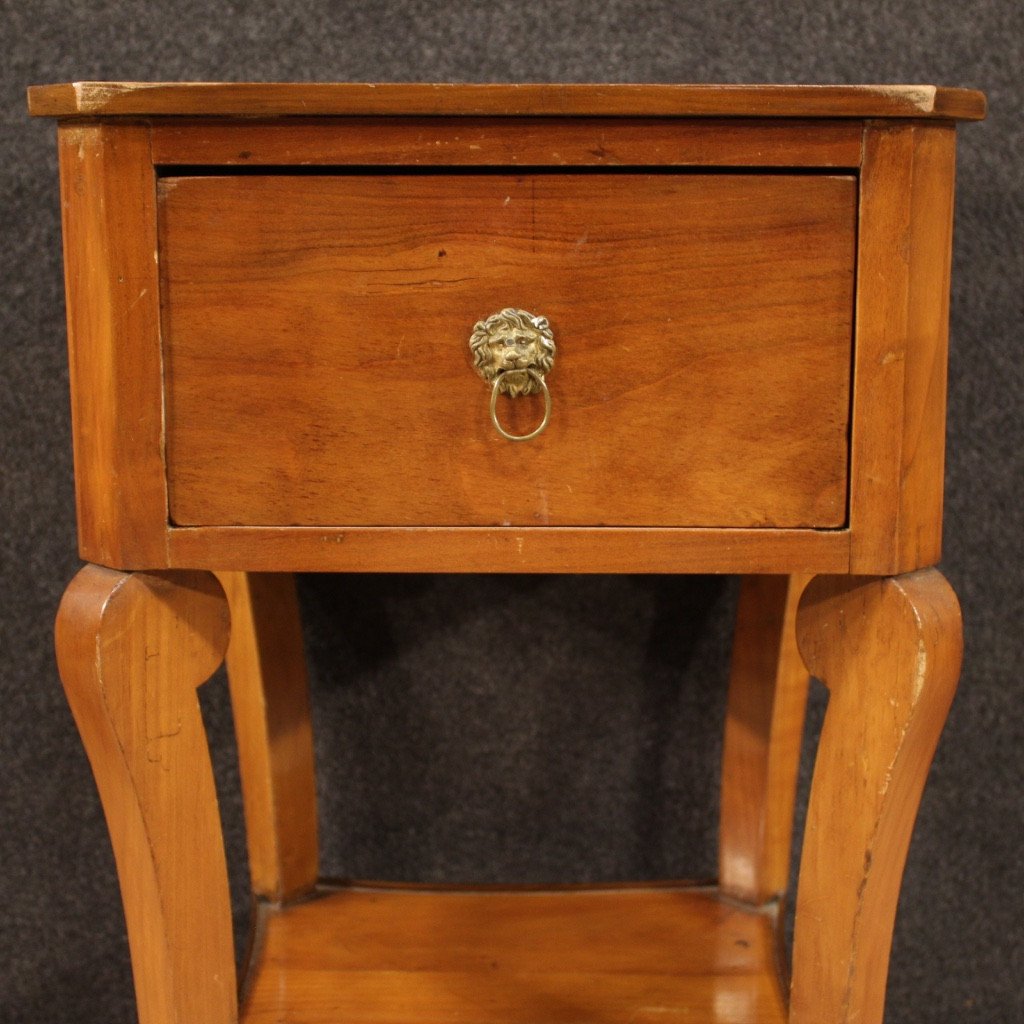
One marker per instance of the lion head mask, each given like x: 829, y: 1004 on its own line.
x: 510, y: 344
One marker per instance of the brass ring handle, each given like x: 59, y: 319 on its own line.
x: 513, y: 351
x: 539, y: 378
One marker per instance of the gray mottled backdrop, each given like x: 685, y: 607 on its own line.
x: 591, y: 755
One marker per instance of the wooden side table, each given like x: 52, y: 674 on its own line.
x: 711, y: 327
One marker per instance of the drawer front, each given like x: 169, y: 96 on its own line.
x: 317, y: 369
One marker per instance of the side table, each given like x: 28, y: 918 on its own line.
x: 711, y: 323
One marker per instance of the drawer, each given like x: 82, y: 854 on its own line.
x: 317, y: 370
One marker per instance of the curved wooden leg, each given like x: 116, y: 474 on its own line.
x: 763, y: 732
x: 270, y: 701
x: 132, y: 649
x: 889, y: 650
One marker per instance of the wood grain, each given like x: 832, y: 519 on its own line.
x: 500, y: 549
x: 131, y: 650
x: 368, y: 954
x: 704, y: 325
x: 270, y: 703
x: 889, y: 651
x: 764, y: 724
x: 507, y: 142
x: 247, y: 99
x: 113, y: 303
x: 899, y: 404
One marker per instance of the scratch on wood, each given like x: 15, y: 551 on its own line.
x: 920, y: 96
x: 920, y: 668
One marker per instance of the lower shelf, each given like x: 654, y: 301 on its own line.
x: 398, y: 955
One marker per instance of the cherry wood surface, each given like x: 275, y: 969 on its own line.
x: 270, y: 705
x: 113, y: 310
x: 595, y: 549
x: 396, y: 955
x: 764, y: 724
x: 250, y: 98
x: 703, y: 325
x: 131, y: 649
x: 505, y: 142
x: 889, y: 650
x: 899, y: 401
x: 110, y: 172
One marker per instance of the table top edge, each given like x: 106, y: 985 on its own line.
x: 242, y: 99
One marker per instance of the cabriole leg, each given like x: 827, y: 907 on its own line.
x: 889, y: 650
x: 132, y: 648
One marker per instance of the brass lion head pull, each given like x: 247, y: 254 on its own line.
x: 513, y: 351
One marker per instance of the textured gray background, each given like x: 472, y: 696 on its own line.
x: 590, y: 754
